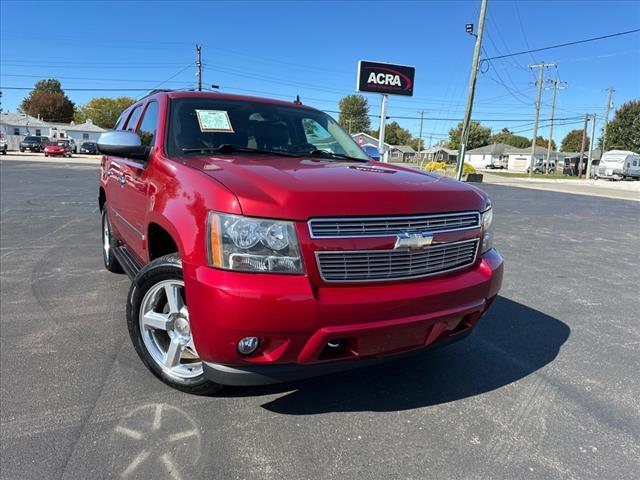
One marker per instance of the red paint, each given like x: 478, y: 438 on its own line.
x: 297, y: 314
x: 58, y: 149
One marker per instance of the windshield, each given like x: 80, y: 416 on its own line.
x: 204, y: 124
x: 31, y: 139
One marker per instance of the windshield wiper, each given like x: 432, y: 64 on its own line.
x: 228, y: 148
x: 326, y: 153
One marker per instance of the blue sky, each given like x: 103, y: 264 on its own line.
x: 311, y: 49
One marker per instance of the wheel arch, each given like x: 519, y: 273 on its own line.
x: 161, y: 240
x: 102, y: 198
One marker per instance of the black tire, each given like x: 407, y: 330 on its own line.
x: 166, y: 268
x: 109, y: 243
x: 22, y: 150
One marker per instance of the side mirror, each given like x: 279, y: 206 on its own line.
x: 123, y: 143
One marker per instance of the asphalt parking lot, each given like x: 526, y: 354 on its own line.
x: 547, y: 387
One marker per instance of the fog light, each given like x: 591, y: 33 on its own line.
x: 248, y: 345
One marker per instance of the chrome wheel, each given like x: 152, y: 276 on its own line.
x: 166, y: 332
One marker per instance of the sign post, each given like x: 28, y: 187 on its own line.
x: 386, y: 79
x: 383, y: 116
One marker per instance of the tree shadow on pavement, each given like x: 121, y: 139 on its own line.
x: 510, y: 342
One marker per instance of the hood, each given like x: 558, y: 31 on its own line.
x: 299, y: 189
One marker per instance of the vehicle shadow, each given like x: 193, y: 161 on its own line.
x: 510, y: 342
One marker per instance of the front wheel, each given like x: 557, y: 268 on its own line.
x: 158, y: 321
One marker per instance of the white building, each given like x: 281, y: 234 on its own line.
x: 519, y: 159
x: 495, y: 154
x: 15, y: 126
x: 84, y: 132
x: 511, y: 158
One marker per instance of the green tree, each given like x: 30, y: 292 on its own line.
x: 623, y: 132
x: 394, y: 134
x: 47, y: 100
x: 544, y: 142
x: 508, y: 138
x: 102, y: 111
x: 354, y: 114
x: 479, y: 136
x: 572, y: 141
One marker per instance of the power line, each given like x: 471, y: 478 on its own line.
x: 593, y: 39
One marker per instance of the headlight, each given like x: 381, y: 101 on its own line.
x: 487, y: 229
x: 250, y: 244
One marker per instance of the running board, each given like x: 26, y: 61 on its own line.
x: 128, y: 262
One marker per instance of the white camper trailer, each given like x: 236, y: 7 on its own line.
x: 618, y: 165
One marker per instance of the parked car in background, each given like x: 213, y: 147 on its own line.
x: 59, y: 148
x: 619, y: 164
x: 89, y: 147
x: 541, y: 167
x: 494, y: 166
x: 33, y: 144
x: 73, y: 145
x: 3, y: 146
x: 260, y: 254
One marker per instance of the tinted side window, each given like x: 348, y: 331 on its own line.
x: 133, y: 118
x: 147, y: 130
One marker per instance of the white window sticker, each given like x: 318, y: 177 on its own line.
x: 214, y: 121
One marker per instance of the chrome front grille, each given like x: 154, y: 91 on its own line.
x: 378, y: 265
x: 389, y: 226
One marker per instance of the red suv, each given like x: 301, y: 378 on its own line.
x: 265, y: 246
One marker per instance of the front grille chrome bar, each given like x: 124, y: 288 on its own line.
x: 350, y: 227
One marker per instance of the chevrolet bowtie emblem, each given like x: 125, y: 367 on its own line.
x: 412, y: 241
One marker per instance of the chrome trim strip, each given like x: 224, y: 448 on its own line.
x: 392, y: 218
x: 391, y: 279
x: 134, y: 229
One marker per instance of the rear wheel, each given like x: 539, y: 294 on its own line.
x: 109, y: 243
x: 158, y: 321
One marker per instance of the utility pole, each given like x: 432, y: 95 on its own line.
x: 584, y: 139
x: 556, y: 85
x: 466, y: 124
x: 420, y: 135
x: 593, y: 136
x: 199, y: 65
x: 606, y: 119
x: 541, y: 66
x: 383, y: 120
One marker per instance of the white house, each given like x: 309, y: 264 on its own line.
x: 512, y: 158
x: 84, y: 132
x: 15, y: 126
x: 495, y: 154
x: 519, y: 159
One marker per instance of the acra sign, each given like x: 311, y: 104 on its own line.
x: 386, y: 78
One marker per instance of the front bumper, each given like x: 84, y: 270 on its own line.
x: 296, y: 319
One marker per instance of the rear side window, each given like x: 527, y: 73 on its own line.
x: 133, y: 118
x: 147, y: 130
